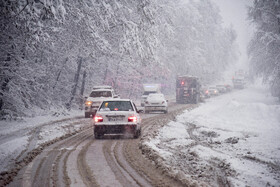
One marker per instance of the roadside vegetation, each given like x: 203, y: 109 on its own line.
x: 54, y: 52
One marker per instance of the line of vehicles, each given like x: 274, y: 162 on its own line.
x: 190, y: 90
x: 113, y: 115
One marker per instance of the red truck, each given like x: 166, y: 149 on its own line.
x: 187, y: 89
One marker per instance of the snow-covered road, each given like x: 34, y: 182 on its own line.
x: 232, y: 139
x: 235, y: 135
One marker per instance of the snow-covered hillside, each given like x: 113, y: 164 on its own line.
x: 70, y: 46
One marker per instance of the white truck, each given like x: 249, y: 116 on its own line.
x: 96, y: 97
x: 149, y: 88
x: 239, y: 79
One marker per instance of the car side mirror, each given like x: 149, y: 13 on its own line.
x: 116, y: 96
x: 85, y: 97
x: 140, y: 111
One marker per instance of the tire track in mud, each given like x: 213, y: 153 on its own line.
x: 219, y: 169
x: 33, y: 139
x: 32, y: 150
x: 61, y: 165
x: 34, y: 134
x: 141, y: 158
x: 140, y: 179
x: 56, y: 175
x: 50, y: 157
x: 120, y: 172
x: 84, y: 169
x: 45, y: 164
x: 190, y: 172
x: 100, y: 166
x: 81, y: 160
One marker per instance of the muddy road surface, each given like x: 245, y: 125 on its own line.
x: 115, y: 160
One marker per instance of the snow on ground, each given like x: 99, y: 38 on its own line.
x: 27, y: 133
x: 238, y: 132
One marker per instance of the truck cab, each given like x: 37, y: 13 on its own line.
x: 187, y: 89
x: 238, y: 79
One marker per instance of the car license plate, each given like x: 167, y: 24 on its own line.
x: 155, y: 108
x: 115, y: 118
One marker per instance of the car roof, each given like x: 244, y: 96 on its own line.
x: 187, y: 76
x: 102, y: 87
x: 116, y: 99
x: 98, y: 90
x: 155, y: 94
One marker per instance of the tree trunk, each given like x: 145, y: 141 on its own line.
x: 5, y: 80
x: 75, y: 85
x: 82, y: 90
x: 105, y: 74
x: 59, y: 73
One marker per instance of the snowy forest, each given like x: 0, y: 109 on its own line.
x: 54, y: 51
x: 264, y: 48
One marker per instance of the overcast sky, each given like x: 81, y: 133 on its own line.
x: 235, y: 12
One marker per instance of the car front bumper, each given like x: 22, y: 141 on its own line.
x: 91, y: 109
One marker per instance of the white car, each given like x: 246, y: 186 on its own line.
x: 221, y: 88
x: 97, y: 95
x: 117, y: 116
x: 156, y: 102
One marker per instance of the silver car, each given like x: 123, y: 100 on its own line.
x: 117, y: 116
x: 156, y: 102
x: 213, y: 91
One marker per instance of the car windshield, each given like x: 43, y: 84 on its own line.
x: 147, y: 93
x: 101, y: 94
x: 116, y: 106
x: 155, y: 96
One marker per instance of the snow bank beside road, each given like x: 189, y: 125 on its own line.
x: 236, y: 133
x: 18, y: 138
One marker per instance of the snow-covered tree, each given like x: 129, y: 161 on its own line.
x: 54, y: 51
x: 194, y: 41
x: 264, y: 48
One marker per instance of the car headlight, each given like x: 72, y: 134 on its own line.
x: 88, y: 103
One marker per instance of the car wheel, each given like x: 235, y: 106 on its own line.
x: 140, y: 132
x: 98, y: 135
x: 137, y: 134
x: 195, y: 101
x: 87, y: 115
